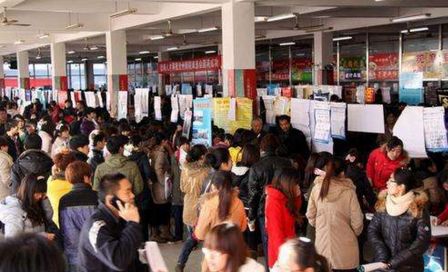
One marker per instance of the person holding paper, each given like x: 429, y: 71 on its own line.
x: 383, y: 161
x: 400, y: 230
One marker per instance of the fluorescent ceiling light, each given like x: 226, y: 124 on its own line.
x: 418, y: 29
x: 410, y: 18
x: 259, y: 19
x: 342, y: 38
x: 73, y: 26
x: 100, y: 57
x: 143, y: 52
x: 158, y: 37
x: 123, y: 12
x: 287, y: 43
x: 172, y: 48
x: 84, y: 59
x: 138, y: 59
x: 38, y: 57
x: 210, y: 52
x: 71, y: 52
x: 156, y: 57
x: 318, y: 29
x: 404, y: 31
x: 208, y: 29
x: 19, y: 42
x: 70, y: 61
x: 94, y: 47
x: 281, y: 17
x: 43, y: 36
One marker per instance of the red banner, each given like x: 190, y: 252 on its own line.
x: 199, y: 64
x: 383, y: 66
x: 64, y: 84
x: 250, y: 83
x: 123, y: 81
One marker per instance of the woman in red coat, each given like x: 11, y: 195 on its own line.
x: 383, y: 161
x: 283, y: 203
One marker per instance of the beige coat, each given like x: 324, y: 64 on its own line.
x: 338, y: 221
x: 191, y: 179
x: 160, y: 164
x: 5, y: 174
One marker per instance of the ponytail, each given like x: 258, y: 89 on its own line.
x: 217, y: 157
x: 223, y: 183
x: 325, y: 161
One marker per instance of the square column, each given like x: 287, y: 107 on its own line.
x: 323, y: 55
x: 162, y: 56
x: 2, y: 77
x: 238, y: 49
x: 58, y: 67
x: 117, y: 68
x: 23, y: 77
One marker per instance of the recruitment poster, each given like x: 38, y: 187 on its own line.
x: 202, y: 122
x: 322, y: 127
x: 435, y: 131
x: 244, y: 108
x: 221, y: 107
x: 338, y: 120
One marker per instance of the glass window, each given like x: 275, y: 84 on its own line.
x: 41, y: 70
x: 352, y: 60
x: 422, y: 40
x: 301, y: 62
x: 263, y: 64
x: 383, y: 58
x: 9, y: 72
x: 31, y: 70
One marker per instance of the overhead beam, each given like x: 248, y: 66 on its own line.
x: 350, y: 3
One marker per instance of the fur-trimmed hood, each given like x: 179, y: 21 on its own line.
x: 415, y: 208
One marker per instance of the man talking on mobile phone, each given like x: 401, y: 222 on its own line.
x: 110, y: 238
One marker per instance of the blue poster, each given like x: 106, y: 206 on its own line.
x: 272, y: 88
x: 202, y: 122
x: 411, y: 88
x: 186, y: 89
x: 435, y: 259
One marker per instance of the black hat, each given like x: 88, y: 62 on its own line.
x: 78, y: 141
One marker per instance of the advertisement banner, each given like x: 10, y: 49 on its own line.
x: 428, y: 62
x: 383, y: 66
x: 199, y: 64
x: 411, y: 88
x: 202, y: 122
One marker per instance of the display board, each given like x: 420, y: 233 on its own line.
x: 409, y: 128
x: 365, y: 118
x: 202, y: 122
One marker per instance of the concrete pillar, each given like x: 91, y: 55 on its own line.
x: 58, y: 67
x: 162, y: 56
x: 2, y: 77
x: 238, y: 49
x: 90, y: 79
x: 117, y: 74
x: 23, y: 70
x: 323, y: 55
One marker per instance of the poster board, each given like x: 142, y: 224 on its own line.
x: 202, y: 122
x: 409, y: 128
x: 122, y: 105
x: 365, y: 118
x: 434, y: 128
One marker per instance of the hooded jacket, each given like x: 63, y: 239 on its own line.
x: 191, y: 179
x: 240, y: 179
x: 121, y: 164
x: 400, y: 239
x: 32, y: 161
x: 14, y: 218
x: 208, y: 216
x: 280, y: 223
x: 5, y: 174
x: 338, y: 221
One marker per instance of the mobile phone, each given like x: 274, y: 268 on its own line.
x: 114, y: 202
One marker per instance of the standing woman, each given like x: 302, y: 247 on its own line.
x: 333, y: 209
x: 193, y: 175
x: 62, y: 137
x: 46, y: 130
x: 221, y: 204
x: 218, y: 159
x: 283, y: 202
x: 400, y: 231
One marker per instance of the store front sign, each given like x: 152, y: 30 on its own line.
x: 383, y: 66
x: 200, y: 64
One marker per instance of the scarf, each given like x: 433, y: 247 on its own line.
x: 397, y: 205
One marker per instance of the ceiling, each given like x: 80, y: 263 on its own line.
x: 186, y: 16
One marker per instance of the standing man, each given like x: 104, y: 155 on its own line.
x: 12, y: 132
x: 293, y: 139
x: 110, y: 238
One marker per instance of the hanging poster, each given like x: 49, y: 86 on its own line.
x: 300, y: 115
x: 409, y: 128
x: 157, y: 108
x: 369, y: 96
x: 187, y: 124
x: 90, y: 99
x: 209, y: 89
x: 185, y: 102
x: 202, y: 122
x: 221, y: 107
x: 365, y: 118
x: 232, y: 110
x: 122, y: 105
x: 281, y: 106
x: 411, y: 88
x: 141, y: 101
x: 338, y: 120
x: 199, y: 90
x: 385, y: 94
x: 322, y: 122
x: 168, y: 90
x: 435, y: 131
x: 174, y: 108
x: 100, y: 99
x: 186, y: 88
x: 269, y: 106
x: 244, y: 113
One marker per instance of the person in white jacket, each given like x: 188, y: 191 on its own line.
x: 224, y: 250
x: 5, y: 168
x: 62, y: 134
x: 46, y: 127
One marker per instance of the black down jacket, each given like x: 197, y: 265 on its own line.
x: 260, y: 175
x: 401, y: 240
x: 32, y: 161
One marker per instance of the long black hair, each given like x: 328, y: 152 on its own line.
x: 286, y: 182
x: 31, y: 185
x: 222, y: 181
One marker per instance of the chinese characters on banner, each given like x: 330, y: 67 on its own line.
x: 200, y: 64
x: 383, y: 66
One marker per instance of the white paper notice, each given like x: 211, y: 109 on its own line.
x: 122, y: 104
x: 409, y: 128
x: 185, y: 103
x: 158, y: 108
x: 300, y: 115
x: 269, y: 106
x: 338, y: 120
x: 187, y: 124
x: 174, y: 108
x: 232, y: 110
x: 435, y: 131
x: 141, y: 103
x: 323, y: 123
x: 198, y: 90
x: 100, y: 99
x: 281, y: 105
x: 209, y: 89
x: 365, y: 118
x: 168, y: 90
x: 154, y: 257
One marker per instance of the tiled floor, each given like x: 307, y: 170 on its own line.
x: 170, y: 253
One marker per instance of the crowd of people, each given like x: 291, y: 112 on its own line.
x: 81, y: 191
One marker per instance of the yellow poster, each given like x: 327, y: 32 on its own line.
x: 244, y: 107
x: 221, y: 107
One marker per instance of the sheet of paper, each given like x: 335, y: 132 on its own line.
x: 209, y: 89
x: 232, y: 110
x: 187, y: 124
x: 409, y: 128
x: 154, y: 257
x: 365, y: 118
x: 157, y: 108
x: 244, y: 114
x: 168, y: 90
x: 122, y: 104
x: 338, y: 111
x: 281, y: 106
x: 373, y: 266
x: 221, y: 107
x: 185, y: 103
x: 269, y: 106
x: 199, y: 90
x: 174, y: 108
x: 435, y: 131
x: 322, y: 122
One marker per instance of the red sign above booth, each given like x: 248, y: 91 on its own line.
x: 199, y: 64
